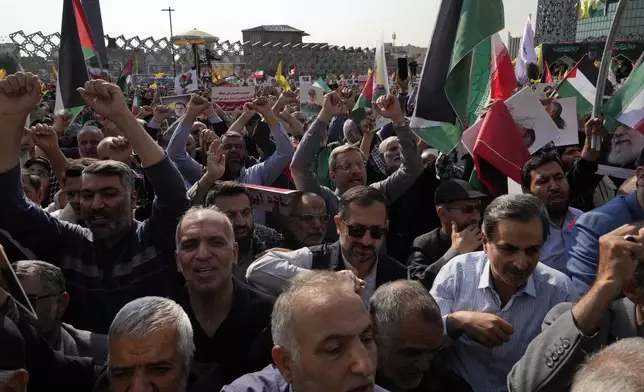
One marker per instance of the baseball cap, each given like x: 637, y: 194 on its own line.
x: 454, y: 190
x: 12, y: 355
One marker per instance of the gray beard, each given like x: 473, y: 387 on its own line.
x: 624, y: 155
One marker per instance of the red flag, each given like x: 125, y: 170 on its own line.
x: 548, y: 74
x: 84, y: 32
x: 503, y: 80
x: 499, y: 148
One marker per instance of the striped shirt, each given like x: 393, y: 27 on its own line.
x: 465, y: 284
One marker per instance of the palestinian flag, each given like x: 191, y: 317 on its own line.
x: 365, y: 100
x: 499, y: 151
x: 581, y: 83
x: 627, y: 105
x: 453, y: 82
x: 72, y: 71
x: 322, y: 84
x: 125, y: 78
x: 136, y: 104
x: 84, y: 32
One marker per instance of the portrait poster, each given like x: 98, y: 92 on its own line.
x: 305, y: 79
x: 231, y: 98
x: 311, y: 99
x: 186, y: 83
x: 563, y: 112
x: 176, y: 103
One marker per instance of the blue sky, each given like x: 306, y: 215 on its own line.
x: 338, y: 22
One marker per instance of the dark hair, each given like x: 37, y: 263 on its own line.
x: 75, y: 167
x: 113, y: 168
x: 640, y: 160
x: 34, y: 180
x: 225, y: 189
x: 534, y: 163
x: 364, y: 196
x: 519, y: 207
x: 38, y: 161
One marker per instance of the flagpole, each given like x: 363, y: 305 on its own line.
x: 596, y: 141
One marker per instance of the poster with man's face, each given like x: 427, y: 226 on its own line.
x: 186, y: 83
x: 177, y: 104
x: 311, y: 99
x: 563, y: 112
x: 626, y: 146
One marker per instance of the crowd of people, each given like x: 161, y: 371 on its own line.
x: 148, y: 266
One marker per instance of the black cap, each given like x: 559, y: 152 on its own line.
x: 454, y: 190
x: 12, y: 354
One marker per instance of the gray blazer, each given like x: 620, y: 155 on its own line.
x: 552, y: 358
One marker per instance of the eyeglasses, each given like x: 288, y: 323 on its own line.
x: 34, y: 299
x: 348, y: 166
x: 310, y: 218
x: 358, y: 231
x: 465, y: 209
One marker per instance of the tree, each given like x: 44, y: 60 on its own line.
x: 8, y: 63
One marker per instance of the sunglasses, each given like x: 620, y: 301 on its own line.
x: 464, y: 209
x: 358, y: 231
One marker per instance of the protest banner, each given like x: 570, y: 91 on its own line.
x: 311, y: 99
x: 230, y: 98
x: 267, y: 198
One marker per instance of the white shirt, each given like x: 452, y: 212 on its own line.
x: 271, y: 272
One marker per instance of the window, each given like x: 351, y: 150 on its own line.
x: 255, y: 38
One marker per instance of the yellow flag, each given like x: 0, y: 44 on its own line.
x: 281, y: 80
x: 3, y: 73
x: 159, y: 75
x: 54, y: 71
x: 154, y: 85
x: 369, y: 71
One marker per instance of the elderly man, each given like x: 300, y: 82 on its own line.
x: 362, y: 224
x: 626, y: 145
x: 115, y: 259
x: 584, y: 248
x: 347, y: 163
x: 44, y: 285
x: 306, y: 221
x: 409, y: 334
x: 543, y: 176
x: 323, y: 340
x: 88, y: 139
x: 616, y: 368
x: 230, y: 319
x: 489, y: 300
x: 570, y: 332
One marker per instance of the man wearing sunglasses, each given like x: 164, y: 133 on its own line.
x: 361, y: 224
x: 458, y: 208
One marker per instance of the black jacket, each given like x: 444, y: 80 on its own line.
x: 328, y: 256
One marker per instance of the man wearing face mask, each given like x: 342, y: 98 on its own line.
x: 490, y: 300
x: 362, y: 224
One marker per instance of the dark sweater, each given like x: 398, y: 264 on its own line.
x: 101, y: 280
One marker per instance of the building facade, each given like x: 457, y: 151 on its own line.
x: 631, y: 27
x: 514, y: 45
x: 283, y: 34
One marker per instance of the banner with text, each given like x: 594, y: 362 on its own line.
x: 230, y: 98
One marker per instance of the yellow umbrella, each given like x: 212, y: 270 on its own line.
x: 193, y: 37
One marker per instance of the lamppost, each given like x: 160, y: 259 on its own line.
x: 170, y: 10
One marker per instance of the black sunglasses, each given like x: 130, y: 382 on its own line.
x: 357, y: 231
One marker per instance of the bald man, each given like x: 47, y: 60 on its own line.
x: 88, y: 139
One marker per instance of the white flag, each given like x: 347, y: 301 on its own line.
x: 527, y: 54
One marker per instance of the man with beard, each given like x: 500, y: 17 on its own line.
x: 492, y: 298
x: 88, y: 139
x: 347, y: 167
x: 230, y: 319
x: 409, y: 335
x: 458, y: 207
x: 626, y: 145
x: 362, y: 224
x: 263, y: 173
x: 543, y: 177
x: 306, y: 221
x: 115, y: 259
x: 323, y: 340
x: 233, y: 199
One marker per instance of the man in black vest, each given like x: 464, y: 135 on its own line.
x: 362, y: 224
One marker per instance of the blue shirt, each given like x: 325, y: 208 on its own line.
x: 465, y: 283
x: 554, y: 251
x: 583, y: 254
x: 268, y: 379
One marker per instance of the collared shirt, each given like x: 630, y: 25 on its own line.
x: 465, y: 284
x: 583, y: 254
x: 370, y: 280
x: 554, y: 251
